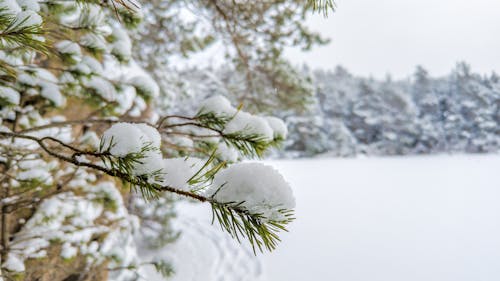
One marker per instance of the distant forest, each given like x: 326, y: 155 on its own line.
x: 350, y: 115
x: 420, y: 115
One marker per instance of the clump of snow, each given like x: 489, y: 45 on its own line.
x: 69, y: 48
x: 151, y: 133
x: 14, y: 263
x: 227, y: 153
x: 9, y: 95
x: 278, y: 126
x: 51, y: 92
x: 40, y: 174
x: 121, y: 45
x: 218, y: 105
x: 29, y: 5
x: 81, y: 15
x: 145, y: 86
x: 47, y: 82
x: 125, y: 97
x: 31, y: 164
x: 268, y: 128
x: 36, y: 170
x: 93, y: 41
x: 94, y: 65
x: 101, y: 87
x: 68, y: 251
x: 178, y: 171
x: 250, y: 124
x: 124, y: 139
x: 260, y: 188
x: 150, y: 163
x: 26, y: 19
x: 27, y: 79
x: 11, y: 6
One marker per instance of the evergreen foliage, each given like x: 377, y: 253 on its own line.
x: 253, y: 35
x: 68, y: 71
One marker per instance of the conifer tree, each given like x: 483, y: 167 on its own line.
x: 80, y: 139
x: 253, y: 36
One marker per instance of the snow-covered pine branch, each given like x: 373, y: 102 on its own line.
x: 80, y: 119
x: 132, y: 152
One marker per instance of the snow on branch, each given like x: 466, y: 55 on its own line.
x: 248, y: 200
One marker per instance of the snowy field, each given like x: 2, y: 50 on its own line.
x: 388, y: 219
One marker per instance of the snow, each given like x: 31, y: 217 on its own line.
x: 261, y: 188
x: 151, y: 133
x: 68, y: 47
x: 278, y: 126
x: 11, y: 6
x: 218, y: 105
x: 266, y: 127
x: 149, y: 164
x: 26, y: 79
x: 250, y: 124
x: 93, y: 64
x: 126, y: 138
x: 29, y: 5
x: 122, y: 45
x: 178, y: 171
x: 40, y: 174
x: 68, y: 251
x: 10, y: 95
x: 421, y: 218
x: 430, y: 218
x: 26, y: 19
x: 101, y: 86
x: 74, y: 221
x: 93, y: 41
x: 51, y: 92
x: 145, y: 85
x: 227, y: 153
x: 47, y: 82
x: 125, y: 98
x: 14, y: 263
x: 123, y: 139
x: 217, y: 257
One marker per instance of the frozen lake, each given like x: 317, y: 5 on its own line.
x: 388, y: 219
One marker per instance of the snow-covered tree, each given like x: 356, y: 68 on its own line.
x: 252, y: 35
x: 422, y: 114
x: 81, y: 139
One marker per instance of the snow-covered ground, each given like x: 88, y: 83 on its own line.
x: 388, y: 219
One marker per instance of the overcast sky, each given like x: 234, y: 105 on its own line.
x: 375, y: 37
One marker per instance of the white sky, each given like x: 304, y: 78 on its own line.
x: 376, y: 37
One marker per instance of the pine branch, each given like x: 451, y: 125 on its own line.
x: 321, y: 6
x: 235, y: 219
x: 14, y: 33
x: 249, y: 145
x: 260, y: 232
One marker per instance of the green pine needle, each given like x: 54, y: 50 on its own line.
x: 165, y: 269
x: 321, y: 6
x: 261, y: 233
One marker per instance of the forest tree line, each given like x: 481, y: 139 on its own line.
x: 349, y: 115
